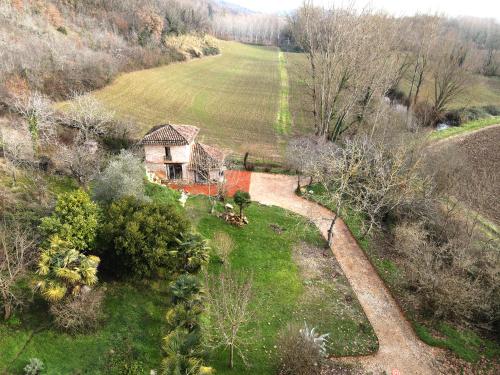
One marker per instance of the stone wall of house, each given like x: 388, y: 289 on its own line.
x: 156, y: 153
x: 155, y: 162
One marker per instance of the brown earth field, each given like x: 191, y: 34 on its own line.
x: 476, y: 160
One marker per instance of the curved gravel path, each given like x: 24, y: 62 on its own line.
x: 399, y: 348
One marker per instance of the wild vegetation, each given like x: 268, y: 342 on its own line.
x: 369, y: 162
x: 58, y: 47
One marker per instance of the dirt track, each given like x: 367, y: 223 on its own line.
x: 399, y: 348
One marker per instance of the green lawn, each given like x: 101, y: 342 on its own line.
x: 283, y: 291
x: 134, y: 323
x: 234, y: 98
x: 465, y: 128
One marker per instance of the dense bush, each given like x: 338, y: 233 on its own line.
x: 79, y: 314
x: 425, y: 114
x: 124, y: 176
x: 461, y: 115
x: 193, y: 252
x: 450, y: 270
x: 182, y: 350
x: 75, y: 220
x: 184, y: 288
x: 138, y: 239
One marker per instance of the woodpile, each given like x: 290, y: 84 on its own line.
x: 234, y: 219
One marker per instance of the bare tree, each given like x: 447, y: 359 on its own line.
x: 351, y: 62
x: 38, y: 112
x: 423, y: 31
x: 228, y: 307
x: 17, y: 254
x: 301, y: 154
x: 249, y: 28
x: 83, y: 159
x: 370, y: 178
x: 450, y: 75
x: 18, y: 149
x: 88, y: 115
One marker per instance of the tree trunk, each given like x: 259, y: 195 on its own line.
x: 231, y: 356
x: 14, y: 176
x: 7, y: 307
x: 245, y: 158
x: 212, y: 205
x: 330, y: 231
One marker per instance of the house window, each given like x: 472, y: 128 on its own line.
x: 174, y: 171
x: 168, y: 155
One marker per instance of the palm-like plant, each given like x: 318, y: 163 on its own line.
x: 185, y: 288
x: 181, y: 349
x: 185, y: 315
x: 65, y: 270
x: 193, y: 251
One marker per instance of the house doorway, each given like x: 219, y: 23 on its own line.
x: 174, y: 171
x: 201, y: 176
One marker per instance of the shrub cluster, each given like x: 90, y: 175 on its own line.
x: 65, y: 273
x: 75, y: 220
x: 79, y: 314
x: 301, y: 351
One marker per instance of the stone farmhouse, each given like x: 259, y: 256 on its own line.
x: 173, y: 155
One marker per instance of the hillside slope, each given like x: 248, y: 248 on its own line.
x: 60, y: 47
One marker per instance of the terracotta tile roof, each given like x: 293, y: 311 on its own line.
x: 203, y: 155
x: 171, y: 134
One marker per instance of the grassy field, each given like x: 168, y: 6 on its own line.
x: 250, y: 98
x: 133, y: 328
x: 284, y: 120
x: 480, y: 91
x: 465, y: 128
x: 234, y: 98
x: 286, y: 285
x: 299, y: 101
